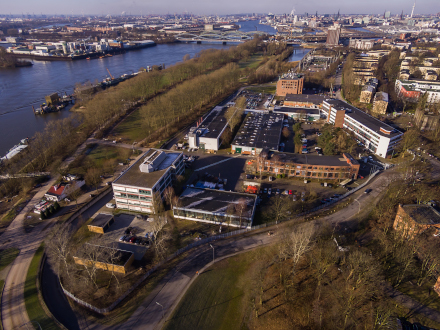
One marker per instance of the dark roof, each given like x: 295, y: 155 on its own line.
x: 423, y: 214
x: 215, y: 201
x: 134, y: 177
x: 363, y: 118
x: 308, y: 111
x: 285, y: 157
x: 315, y: 99
x: 101, y: 219
x: 121, y: 257
x: 214, y: 123
x: 260, y: 131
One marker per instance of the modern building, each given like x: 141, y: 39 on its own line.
x: 411, y: 90
x: 306, y: 114
x: 380, y: 103
x: 362, y: 44
x: 304, y: 100
x: 413, y: 219
x: 101, y: 223
x: 206, y: 136
x: 290, y: 83
x: 333, y: 34
x: 258, y: 131
x: 135, y: 188
x: 308, y: 166
x: 215, y: 206
x: 370, y: 132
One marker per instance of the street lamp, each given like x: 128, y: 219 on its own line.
x: 162, y: 308
x: 212, y: 252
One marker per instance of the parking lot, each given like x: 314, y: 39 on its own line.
x: 137, y: 227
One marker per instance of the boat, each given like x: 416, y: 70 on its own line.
x: 87, y: 58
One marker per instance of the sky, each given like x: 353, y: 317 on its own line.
x: 207, y: 7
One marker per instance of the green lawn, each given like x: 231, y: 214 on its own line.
x: 33, y: 306
x: 216, y: 299
x: 253, y: 62
x: 7, y: 257
x: 130, y: 129
x: 265, y: 89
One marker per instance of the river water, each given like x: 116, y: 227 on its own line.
x: 22, y: 88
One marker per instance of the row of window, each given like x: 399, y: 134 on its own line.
x: 211, y: 217
x: 309, y: 173
x: 280, y: 165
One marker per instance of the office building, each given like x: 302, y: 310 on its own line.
x: 333, y: 35
x: 370, y: 132
x: 308, y: 166
x: 290, y: 83
x: 157, y: 169
x: 411, y: 90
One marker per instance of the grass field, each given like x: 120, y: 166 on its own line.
x: 264, y: 89
x: 253, y: 62
x: 130, y: 129
x: 216, y: 299
x: 7, y: 257
x: 33, y: 306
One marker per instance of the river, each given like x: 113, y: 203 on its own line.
x: 22, y: 88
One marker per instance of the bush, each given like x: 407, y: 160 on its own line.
x: 42, y: 216
x: 56, y: 206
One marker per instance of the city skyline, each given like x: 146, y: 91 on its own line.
x: 132, y: 7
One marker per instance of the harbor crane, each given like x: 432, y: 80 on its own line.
x: 110, y: 74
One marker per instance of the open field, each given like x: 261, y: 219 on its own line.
x: 216, y: 300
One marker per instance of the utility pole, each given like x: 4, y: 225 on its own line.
x: 212, y: 252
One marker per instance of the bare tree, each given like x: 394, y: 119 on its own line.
x: 58, y: 247
x: 93, y: 177
x: 241, y: 209
x: 91, y: 254
x: 159, y: 236
x: 169, y: 195
x: 279, y: 208
x: 158, y: 207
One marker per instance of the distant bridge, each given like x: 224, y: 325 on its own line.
x: 218, y: 36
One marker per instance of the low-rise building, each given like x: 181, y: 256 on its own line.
x: 380, y: 103
x: 304, y: 100
x: 308, y: 166
x: 106, y: 258
x: 370, y: 132
x: 362, y: 44
x: 413, y: 219
x: 309, y: 114
x: 148, y: 177
x: 217, y: 207
x: 62, y: 190
x: 366, y: 94
x: 206, y: 135
x: 411, y: 90
x: 258, y: 131
x: 101, y: 223
x: 290, y: 83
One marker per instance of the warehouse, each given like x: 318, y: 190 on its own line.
x: 135, y: 188
x: 217, y: 207
x: 206, y: 136
x: 258, y: 131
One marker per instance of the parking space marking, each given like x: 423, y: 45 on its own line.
x: 213, y: 164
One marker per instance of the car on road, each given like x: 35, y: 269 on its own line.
x: 110, y: 205
x: 122, y: 238
x: 367, y: 191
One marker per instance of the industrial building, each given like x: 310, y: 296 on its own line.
x: 307, y: 114
x: 217, y: 207
x: 258, y: 131
x: 135, y: 188
x: 206, y: 135
x: 304, y: 100
x: 308, y: 166
x: 290, y: 83
x: 372, y: 133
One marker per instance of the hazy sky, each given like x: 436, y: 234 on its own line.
x: 203, y: 7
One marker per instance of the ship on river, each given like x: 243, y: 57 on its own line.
x: 63, y: 51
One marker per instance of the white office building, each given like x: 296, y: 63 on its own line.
x: 370, y: 132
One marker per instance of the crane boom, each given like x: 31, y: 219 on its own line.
x: 110, y: 74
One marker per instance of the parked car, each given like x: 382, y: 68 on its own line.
x: 269, y: 191
x: 367, y: 191
x: 122, y: 238
x: 290, y: 192
x: 133, y: 239
x: 110, y: 205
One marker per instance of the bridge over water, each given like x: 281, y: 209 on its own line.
x: 218, y: 36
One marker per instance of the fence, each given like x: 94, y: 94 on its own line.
x: 204, y: 241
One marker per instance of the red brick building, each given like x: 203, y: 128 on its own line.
x: 290, y: 83
x: 413, y: 219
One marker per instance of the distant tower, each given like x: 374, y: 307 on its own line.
x: 292, y: 13
x: 316, y: 14
x: 337, y: 18
x: 412, y: 11
x: 401, y: 15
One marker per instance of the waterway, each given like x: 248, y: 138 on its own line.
x: 22, y: 88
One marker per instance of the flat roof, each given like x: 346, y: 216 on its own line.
x: 308, y: 111
x: 311, y: 98
x: 423, y: 214
x: 214, y: 201
x: 101, y: 220
x: 364, y: 118
x: 307, y: 159
x: 121, y: 256
x: 260, y: 131
x: 214, y: 123
x: 134, y: 177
